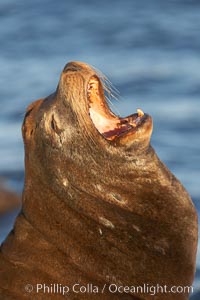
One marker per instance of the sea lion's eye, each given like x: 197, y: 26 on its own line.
x: 54, y: 126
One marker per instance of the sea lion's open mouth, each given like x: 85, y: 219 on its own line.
x: 106, y: 122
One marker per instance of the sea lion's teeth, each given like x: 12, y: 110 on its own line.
x: 132, y: 124
x: 140, y: 112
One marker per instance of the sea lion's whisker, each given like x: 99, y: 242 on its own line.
x: 107, y: 85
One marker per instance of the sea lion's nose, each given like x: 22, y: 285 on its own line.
x: 72, y: 67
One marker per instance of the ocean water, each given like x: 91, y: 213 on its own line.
x: 150, y: 50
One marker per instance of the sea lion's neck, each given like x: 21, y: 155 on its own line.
x: 80, y: 216
x: 78, y: 225
x: 74, y: 230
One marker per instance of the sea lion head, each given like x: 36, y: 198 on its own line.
x: 102, y: 167
x: 75, y: 126
x: 84, y: 88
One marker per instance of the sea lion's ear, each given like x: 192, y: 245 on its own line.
x: 32, y: 106
x: 29, y: 118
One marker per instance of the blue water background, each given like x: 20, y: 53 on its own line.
x: 149, y: 49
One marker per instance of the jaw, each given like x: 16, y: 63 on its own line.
x: 111, y: 127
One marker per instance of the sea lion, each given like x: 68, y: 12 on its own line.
x: 100, y: 210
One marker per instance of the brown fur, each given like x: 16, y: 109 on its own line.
x: 95, y: 211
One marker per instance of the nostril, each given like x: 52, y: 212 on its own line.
x: 72, y: 67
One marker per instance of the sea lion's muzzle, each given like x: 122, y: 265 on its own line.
x: 83, y: 92
x: 115, y: 129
